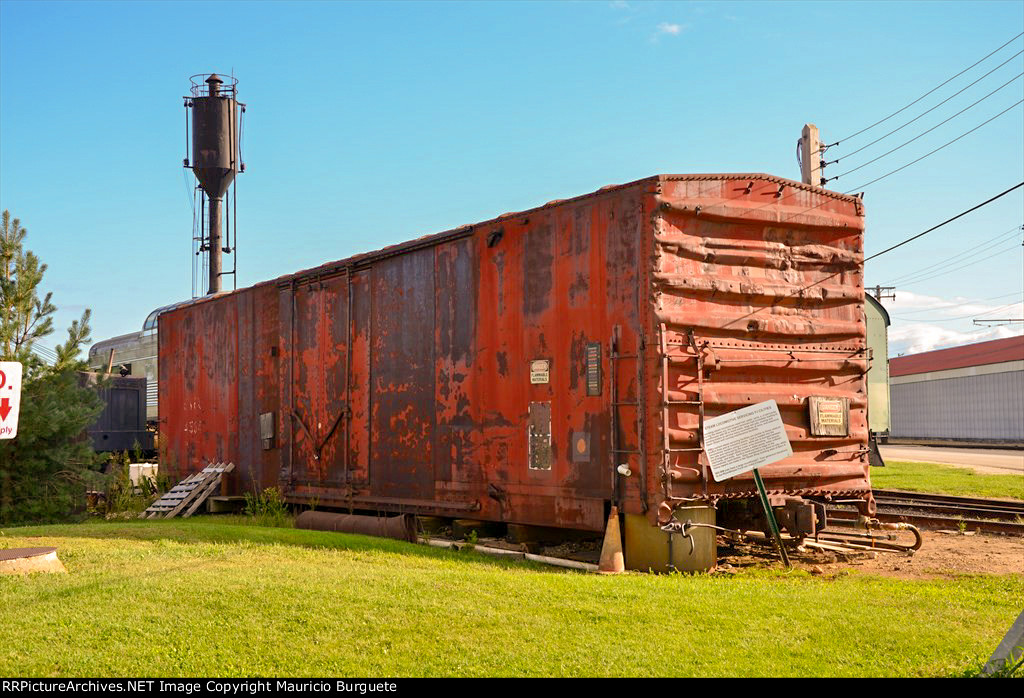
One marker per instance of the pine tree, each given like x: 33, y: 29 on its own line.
x: 44, y: 468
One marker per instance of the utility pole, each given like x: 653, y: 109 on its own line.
x: 809, y: 153
x: 877, y: 292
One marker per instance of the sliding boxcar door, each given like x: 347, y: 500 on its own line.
x: 317, y: 333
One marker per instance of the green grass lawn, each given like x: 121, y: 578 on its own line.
x: 203, y: 598
x: 945, y: 479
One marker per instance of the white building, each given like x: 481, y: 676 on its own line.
x: 969, y: 393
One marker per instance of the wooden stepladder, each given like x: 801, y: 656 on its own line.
x: 189, y: 494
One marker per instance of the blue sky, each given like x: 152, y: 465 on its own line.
x: 373, y: 123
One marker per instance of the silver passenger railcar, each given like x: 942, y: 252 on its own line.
x: 133, y: 354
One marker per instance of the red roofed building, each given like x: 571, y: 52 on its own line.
x: 973, y: 392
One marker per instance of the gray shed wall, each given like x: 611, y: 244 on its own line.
x: 988, y: 407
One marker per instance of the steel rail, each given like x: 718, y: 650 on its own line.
x: 940, y: 508
x: 904, y: 495
x: 937, y: 522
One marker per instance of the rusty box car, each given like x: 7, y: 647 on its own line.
x: 540, y: 367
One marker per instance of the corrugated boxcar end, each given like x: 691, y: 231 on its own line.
x: 757, y: 294
x: 472, y: 372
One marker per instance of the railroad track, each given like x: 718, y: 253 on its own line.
x: 943, y: 504
x: 945, y: 512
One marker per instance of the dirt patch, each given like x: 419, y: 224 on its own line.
x: 942, y: 556
x: 579, y: 550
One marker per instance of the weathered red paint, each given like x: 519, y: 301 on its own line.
x: 400, y: 379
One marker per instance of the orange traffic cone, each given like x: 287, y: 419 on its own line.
x: 611, y: 561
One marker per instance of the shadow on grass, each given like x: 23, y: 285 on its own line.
x: 206, y: 529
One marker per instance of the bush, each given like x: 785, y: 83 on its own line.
x: 267, y: 508
x: 122, y: 499
x: 47, y: 468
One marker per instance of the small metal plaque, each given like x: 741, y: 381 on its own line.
x: 593, y: 368
x: 539, y: 431
x: 267, y: 430
x: 580, y: 447
x: 540, y: 371
x: 829, y: 416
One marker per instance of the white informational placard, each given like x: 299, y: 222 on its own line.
x: 745, y: 439
x: 10, y: 398
x: 540, y: 371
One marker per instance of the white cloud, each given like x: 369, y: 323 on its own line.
x: 668, y: 29
x: 922, y: 323
x: 916, y: 306
x: 917, y: 337
x: 624, y: 11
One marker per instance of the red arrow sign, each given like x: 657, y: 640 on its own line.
x: 10, y: 402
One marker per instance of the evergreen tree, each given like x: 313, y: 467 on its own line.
x: 44, y: 469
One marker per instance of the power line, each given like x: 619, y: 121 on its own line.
x: 899, y: 128
x: 953, y: 305
x: 923, y: 133
x: 945, y: 222
x: 957, y: 258
x: 973, y: 315
x: 997, y: 253
x: 45, y: 353
x: 885, y: 251
x: 927, y: 93
x: 969, y: 252
x: 898, y: 169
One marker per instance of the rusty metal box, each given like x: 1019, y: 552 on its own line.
x: 430, y: 375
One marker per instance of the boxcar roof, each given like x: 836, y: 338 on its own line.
x: 366, y: 258
x: 879, y: 308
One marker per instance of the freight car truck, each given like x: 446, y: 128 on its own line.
x: 506, y: 371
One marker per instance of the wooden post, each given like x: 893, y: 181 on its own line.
x: 810, y: 151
